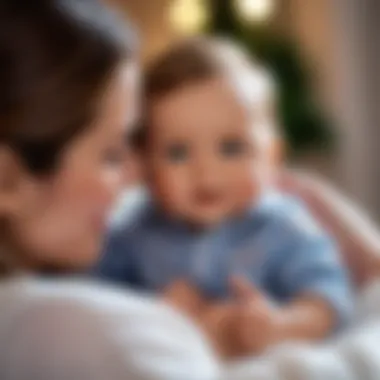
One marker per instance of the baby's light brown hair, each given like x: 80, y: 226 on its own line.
x: 200, y: 59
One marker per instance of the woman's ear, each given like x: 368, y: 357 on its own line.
x: 8, y: 177
x: 12, y: 181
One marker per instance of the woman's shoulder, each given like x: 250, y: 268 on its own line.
x: 21, y: 294
x: 81, y: 323
x: 24, y: 297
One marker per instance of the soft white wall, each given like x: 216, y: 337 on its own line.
x: 338, y: 36
x: 357, y: 78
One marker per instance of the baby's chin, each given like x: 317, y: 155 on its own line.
x: 208, y: 219
x: 210, y: 216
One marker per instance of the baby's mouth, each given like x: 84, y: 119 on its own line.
x: 205, y: 197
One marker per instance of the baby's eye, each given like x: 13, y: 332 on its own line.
x: 177, y: 153
x: 233, y: 148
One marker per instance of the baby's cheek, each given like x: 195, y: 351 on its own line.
x: 170, y: 191
x: 250, y: 180
x: 247, y: 192
x: 246, y: 187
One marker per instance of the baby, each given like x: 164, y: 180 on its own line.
x: 249, y: 263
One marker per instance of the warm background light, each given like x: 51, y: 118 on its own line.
x: 188, y: 16
x: 255, y: 10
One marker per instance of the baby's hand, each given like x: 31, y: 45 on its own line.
x: 248, y: 324
x: 185, y: 297
x: 212, y: 318
x: 216, y: 321
x: 256, y: 322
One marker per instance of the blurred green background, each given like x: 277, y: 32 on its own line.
x: 305, y: 126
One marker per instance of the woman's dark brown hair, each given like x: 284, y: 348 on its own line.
x: 56, y: 57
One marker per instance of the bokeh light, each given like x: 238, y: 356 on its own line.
x: 255, y: 10
x: 188, y: 16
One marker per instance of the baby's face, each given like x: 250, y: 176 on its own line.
x: 207, y: 158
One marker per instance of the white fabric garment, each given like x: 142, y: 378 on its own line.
x: 70, y: 330
x: 73, y: 330
x: 355, y: 355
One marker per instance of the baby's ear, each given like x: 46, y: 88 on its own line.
x: 277, y: 151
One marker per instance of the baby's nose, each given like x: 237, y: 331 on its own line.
x: 208, y: 174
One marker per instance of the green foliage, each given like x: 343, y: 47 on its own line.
x: 305, y: 127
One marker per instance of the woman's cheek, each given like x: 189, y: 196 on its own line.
x: 106, y: 189
x: 115, y: 180
x: 94, y: 196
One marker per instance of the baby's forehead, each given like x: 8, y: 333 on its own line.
x: 234, y: 102
x: 222, y: 105
x: 252, y: 81
x: 253, y: 87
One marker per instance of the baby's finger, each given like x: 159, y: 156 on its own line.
x: 243, y: 290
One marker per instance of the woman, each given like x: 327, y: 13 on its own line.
x: 67, y: 73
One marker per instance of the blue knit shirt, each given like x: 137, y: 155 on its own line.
x: 276, y: 244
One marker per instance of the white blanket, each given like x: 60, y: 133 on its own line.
x: 355, y: 355
x: 54, y: 329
